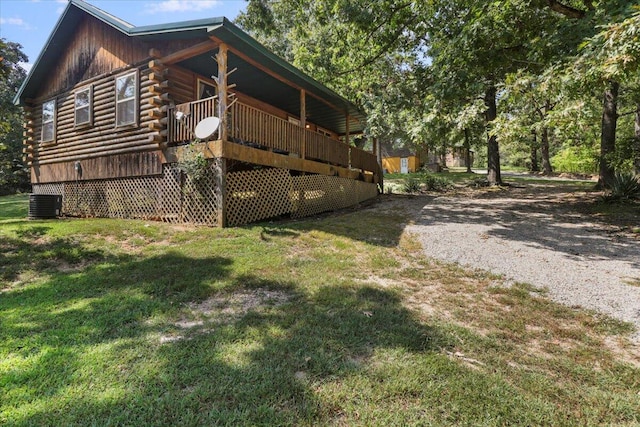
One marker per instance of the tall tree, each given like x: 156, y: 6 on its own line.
x: 600, y: 60
x: 608, y: 134
x: 475, y: 45
x: 13, y: 172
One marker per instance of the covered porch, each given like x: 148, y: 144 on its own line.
x: 270, y: 113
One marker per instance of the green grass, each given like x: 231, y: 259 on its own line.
x: 336, y: 320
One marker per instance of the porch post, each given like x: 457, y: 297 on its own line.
x: 346, y: 135
x: 221, y: 58
x: 303, y: 122
x: 220, y: 190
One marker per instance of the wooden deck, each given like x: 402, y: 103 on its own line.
x: 255, y: 136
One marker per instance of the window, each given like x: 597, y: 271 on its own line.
x: 293, y: 120
x: 126, y: 99
x: 324, y: 132
x: 83, y: 110
x: 49, y: 120
x: 205, y: 90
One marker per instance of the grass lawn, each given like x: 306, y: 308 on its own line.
x: 333, y: 320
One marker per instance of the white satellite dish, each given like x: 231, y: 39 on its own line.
x: 207, y: 127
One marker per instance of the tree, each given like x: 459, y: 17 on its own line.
x: 616, y: 51
x: 605, y: 59
x: 13, y: 172
x: 475, y: 45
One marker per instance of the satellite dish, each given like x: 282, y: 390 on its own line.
x: 207, y: 127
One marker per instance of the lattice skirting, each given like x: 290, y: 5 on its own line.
x: 172, y: 197
x: 265, y: 193
x: 175, y: 197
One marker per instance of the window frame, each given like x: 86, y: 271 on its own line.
x: 134, y: 98
x: 202, y: 82
x: 89, y: 107
x: 324, y: 132
x: 51, y: 122
x: 294, y: 121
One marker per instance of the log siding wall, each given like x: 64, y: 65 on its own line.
x: 95, y: 55
x: 103, y: 150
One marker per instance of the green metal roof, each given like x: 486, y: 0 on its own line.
x: 250, y: 80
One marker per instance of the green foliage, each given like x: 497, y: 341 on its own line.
x: 193, y: 162
x: 420, y: 69
x: 479, y: 182
x: 411, y: 185
x: 625, y: 186
x: 14, y: 175
x: 576, y: 159
x: 436, y: 182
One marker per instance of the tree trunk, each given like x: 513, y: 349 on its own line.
x: 636, y: 142
x: 467, y: 150
x: 493, y: 153
x: 608, y: 134
x: 534, y: 153
x: 544, y: 152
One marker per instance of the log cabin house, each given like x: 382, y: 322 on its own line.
x: 111, y: 111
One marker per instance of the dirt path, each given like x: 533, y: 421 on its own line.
x: 541, y: 235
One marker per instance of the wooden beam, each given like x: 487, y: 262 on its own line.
x: 221, y: 190
x: 189, y: 52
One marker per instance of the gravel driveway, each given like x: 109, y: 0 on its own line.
x: 537, y: 236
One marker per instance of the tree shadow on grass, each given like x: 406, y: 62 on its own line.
x: 51, y: 332
x: 30, y: 249
x: 258, y: 368
x: 378, y: 222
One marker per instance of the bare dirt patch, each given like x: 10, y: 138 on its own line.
x: 203, y: 316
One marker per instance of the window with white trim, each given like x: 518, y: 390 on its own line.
x: 49, y: 121
x: 127, y: 99
x: 83, y: 106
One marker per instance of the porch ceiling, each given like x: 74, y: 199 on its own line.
x: 256, y: 83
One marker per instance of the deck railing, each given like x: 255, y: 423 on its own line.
x: 179, y: 131
x: 364, y: 160
x: 320, y: 147
x: 251, y: 126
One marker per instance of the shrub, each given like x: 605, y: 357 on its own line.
x: 411, y: 185
x: 479, y: 182
x: 436, y: 183
x: 193, y: 163
x: 625, y: 186
x: 576, y: 160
